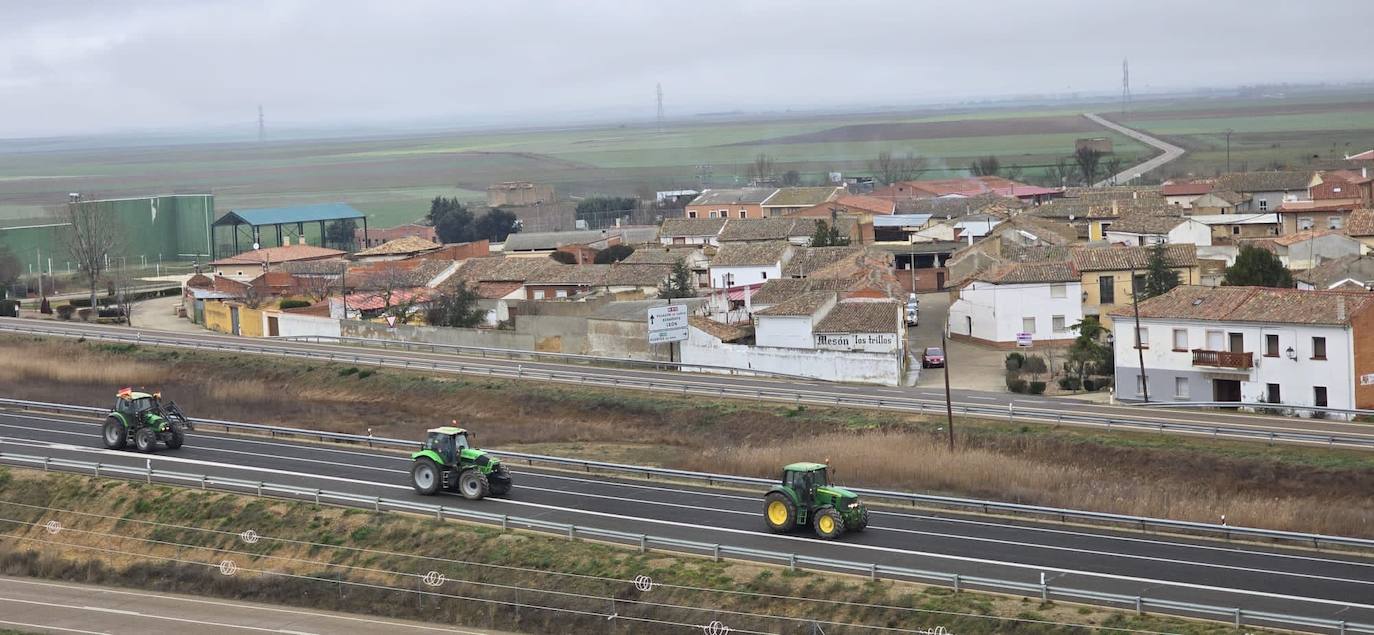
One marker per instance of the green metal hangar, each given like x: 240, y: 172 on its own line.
x: 150, y: 228
x: 242, y: 230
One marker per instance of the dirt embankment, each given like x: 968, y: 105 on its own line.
x: 1281, y: 487
x: 187, y: 541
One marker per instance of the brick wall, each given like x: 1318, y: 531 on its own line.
x: 1362, y: 333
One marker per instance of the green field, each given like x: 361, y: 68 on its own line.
x: 392, y: 178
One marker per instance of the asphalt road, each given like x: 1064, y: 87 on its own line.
x: 1254, y: 577
x: 43, y: 606
x: 1169, y: 150
x: 910, y: 399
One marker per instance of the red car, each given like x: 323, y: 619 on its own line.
x: 933, y: 357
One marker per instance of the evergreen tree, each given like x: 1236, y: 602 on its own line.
x: 1159, y: 278
x: 678, y: 284
x: 1257, y: 267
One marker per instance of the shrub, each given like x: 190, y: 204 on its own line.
x: 348, y: 371
x: 65, y: 311
x: 1037, y: 388
x: 293, y: 304
x: 1034, y: 364
x: 1070, y: 383
x: 84, y: 313
x: 1015, y: 383
x: 366, y: 372
x: 1014, y: 361
x: 45, y: 307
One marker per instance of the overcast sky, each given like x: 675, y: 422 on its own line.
x: 72, y: 67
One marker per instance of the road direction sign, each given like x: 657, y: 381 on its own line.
x: 667, y: 323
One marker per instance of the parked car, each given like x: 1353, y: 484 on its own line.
x: 913, y: 310
x: 933, y: 357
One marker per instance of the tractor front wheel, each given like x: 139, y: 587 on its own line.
x: 779, y: 512
x: 473, y: 484
x: 177, y: 437
x: 860, y: 523
x: 145, y: 440
x: 500, y: 481
x: 829, y: 524
x: 425, y: 477
x: 114, y: 434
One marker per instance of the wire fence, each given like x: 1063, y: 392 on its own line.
x: 716, y: 551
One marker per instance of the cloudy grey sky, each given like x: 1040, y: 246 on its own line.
x: 73, y: 67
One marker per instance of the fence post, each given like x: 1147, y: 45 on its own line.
x: 873, y: 572
x: 377, y: 504
x: 1011, y: 412
x: 1139, y: 607
x: 203, y: 478
x: 97, y: 470
x: 715, y: 552
x: 505, y: 522
x: 643, y: 543
x: 956, y: 583
x: 572, y: 532
x: 259, y: 489
x: 149, y: 466
x: 1237, y: 622
x: 792, y: 562
x: 317, y: 497
x: 439, y: 513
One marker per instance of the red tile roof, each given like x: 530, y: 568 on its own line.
x: 1254, y: 304
x: 287, y: 253
x: 1324, y: 205
x: 1185, y: 189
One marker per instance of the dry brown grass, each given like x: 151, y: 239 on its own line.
x: 40, y: 363
x: 918, y: 462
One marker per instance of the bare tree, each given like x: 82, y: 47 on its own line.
x: 760, y: 170
x: 985, y: 166
x: 890, y: 169
x: 1113, y: 167
x: 316, y: 287
x: 398, y: 289
x: 1061, y: 173
x: 1087, y: 160
x: 123, y: 295
x: 89, y: 237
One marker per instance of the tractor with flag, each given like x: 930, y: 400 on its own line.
x: 144, y: 419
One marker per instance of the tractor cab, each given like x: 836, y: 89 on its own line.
x: 133, y: 403
x: 806, y: 497
x: 448, y: 442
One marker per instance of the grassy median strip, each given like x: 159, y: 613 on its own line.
x: 162, y: 538
x: 1284, y: 487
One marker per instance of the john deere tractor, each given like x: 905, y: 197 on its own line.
x: 449, y: 460
x: 146, y: 420
x: 806, y: 497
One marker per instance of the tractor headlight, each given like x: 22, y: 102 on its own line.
x: 854, y: 505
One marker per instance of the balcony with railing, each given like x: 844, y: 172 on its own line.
x: 1223, y: 359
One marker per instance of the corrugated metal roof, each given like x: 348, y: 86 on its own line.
x: 901, y: 220
x: 293, y: 214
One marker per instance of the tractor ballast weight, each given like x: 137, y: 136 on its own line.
x: 806, y: 497
x: 448, y: 460
x: 145, y: 420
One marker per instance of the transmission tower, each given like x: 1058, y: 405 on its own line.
x: 1125, y: 85
x: 659, y: 89
x: 262, y: 126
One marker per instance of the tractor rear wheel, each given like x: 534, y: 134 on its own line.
x: 177, y: 438
x: 145, y: 440
x: 473, y: 484
x: 114, y: 433
x: 829, y: 524
x: 425, y: 476
x: 779, y: 512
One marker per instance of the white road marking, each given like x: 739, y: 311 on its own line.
x: 145, y: 616
x: 255, y: 607
x: 47, y: 627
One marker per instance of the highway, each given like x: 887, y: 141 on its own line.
x: 1065, y: 411
x: 44, y: 606
x: 1169, y: 152
x: 1254, y: 577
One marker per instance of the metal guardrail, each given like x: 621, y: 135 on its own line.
x: 969, y: 504
x: 1354, y: 412
x: 717, y: 551
x: 817, y: 395
x: 516, y: 353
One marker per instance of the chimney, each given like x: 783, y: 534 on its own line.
x: 1364, y: 172
x: 1115, y: 208
x: 1135, y: 195
x: 1340, y: 308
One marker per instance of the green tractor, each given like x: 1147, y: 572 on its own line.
x: 806, y: 497
x: 144, y: 419
x: 449, y: 460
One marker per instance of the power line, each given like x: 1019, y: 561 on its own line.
x: 1125, y: 84
x: 659, y: 89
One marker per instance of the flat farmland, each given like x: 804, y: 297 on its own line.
x: 392, y: 178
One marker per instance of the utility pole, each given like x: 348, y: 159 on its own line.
x: 1228, y: 150
x: 949, y: 406
x: 1139, y: 349
x: 262, y: 126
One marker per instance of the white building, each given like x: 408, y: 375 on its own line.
x: 690, y: 231
x: 1044, y: 299
x: 745, y: 264
x: 1249, y: 344
x: 791, y: 323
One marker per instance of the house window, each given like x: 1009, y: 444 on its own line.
x: 1027, y: 325
x: 1137, y: 284
x: 1272, y: 394
x: 1319, y: 396
x: 1057, y: 323
x: 1304, y: 222
x: 1235, y: 230
x: 742, y: 214
x: 1181, y: 387
x: 561, y: 293
x: 1180, y: 339
x: 1142, y: 337
x: 1216, y: 340
x: 1271, y: 345
x: 765, y: 275
x: 712, y: 214
x: 1334, y: 222
x: 691, y: 213
x: 538, y: 294
x: 1106, y: 290
x: 1318, y: 348
x: 1059, y: 290
x: 1264, y: 205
